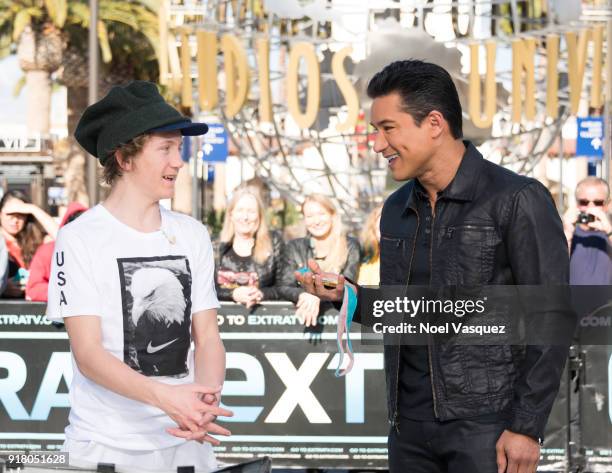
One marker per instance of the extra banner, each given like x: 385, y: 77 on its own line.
x: 280, y: 383
x: 288, y: 403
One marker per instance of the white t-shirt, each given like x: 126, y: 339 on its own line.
x: 145, y: 288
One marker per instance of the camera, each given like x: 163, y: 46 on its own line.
x: 584, y: 217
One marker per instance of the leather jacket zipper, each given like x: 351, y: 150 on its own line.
x: 478, y: 227
x: 431, y: 376
x: 399, y: 352
x: 397, y: 241
x: 430, y: 337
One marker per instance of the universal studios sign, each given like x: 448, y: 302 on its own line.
x: 579, y: 48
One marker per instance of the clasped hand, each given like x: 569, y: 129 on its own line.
x: 247, y: 295
x: 194, y: 408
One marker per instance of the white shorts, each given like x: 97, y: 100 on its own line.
x: 87, y: 454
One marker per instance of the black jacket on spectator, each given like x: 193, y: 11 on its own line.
x: 268, y: 272
x: 296, y: 255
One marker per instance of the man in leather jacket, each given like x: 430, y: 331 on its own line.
x: 459, y: 220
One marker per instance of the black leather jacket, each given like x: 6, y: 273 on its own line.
x: 296, y: 255
x: 491, y: 226
x: 268, y: 272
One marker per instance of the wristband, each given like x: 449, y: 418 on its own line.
x: 345, y: 319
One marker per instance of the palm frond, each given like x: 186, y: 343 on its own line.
x: 79, y: 13
x: 58, y: 11
x: 107, y: 55
x: 152, y: 5
x: 22, y: 20
x: 137, y: 17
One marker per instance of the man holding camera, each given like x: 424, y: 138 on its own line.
x: 588, y: 234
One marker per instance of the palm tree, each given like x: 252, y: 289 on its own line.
x: 51, y: 36
x: 130, y: 52
x: 47, y: 32
x: 35, y: 28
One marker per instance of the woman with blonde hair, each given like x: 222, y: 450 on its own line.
x: 369, y: 271
x: 248, y: 254
x: 327, y: 244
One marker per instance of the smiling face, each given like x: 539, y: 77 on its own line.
x: 318, y: 219
x: 245, y: 216
x: 406, y: 146
x: 155, y: 168
x: 12, y: 222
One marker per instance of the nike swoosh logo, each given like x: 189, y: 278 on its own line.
x: 152, y: 349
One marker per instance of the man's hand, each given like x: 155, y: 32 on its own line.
x: 312, y: 282
x: 517, y: 453
x: 202, y: 435
x: 308, y: 309
x: 213, y: 400
x: 14, y: 289
x: 206, y: 426
x: 184, y: 404
x: 601, y: 223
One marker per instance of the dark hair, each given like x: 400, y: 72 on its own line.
x: 111, y: 169
x: 32, y: 235
x: 423, y: 87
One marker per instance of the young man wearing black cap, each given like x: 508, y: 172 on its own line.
x: 133, y: 282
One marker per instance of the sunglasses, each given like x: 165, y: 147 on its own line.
x: 585, y: 202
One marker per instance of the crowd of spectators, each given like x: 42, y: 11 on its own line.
x: 255, y: 263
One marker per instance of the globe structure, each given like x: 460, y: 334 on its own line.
x: 297, y: 161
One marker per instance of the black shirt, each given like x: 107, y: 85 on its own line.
x: 243, y: 262
x: 415, y: 399
x: 233, y: 270
x: 415, y: 394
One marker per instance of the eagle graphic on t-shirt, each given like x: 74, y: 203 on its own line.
x: 158, y: 314
x: 157, y: 294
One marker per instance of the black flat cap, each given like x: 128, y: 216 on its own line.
x: 126, y: 112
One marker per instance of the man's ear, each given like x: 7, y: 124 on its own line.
x: 437, y: 123
x: 125, y: 164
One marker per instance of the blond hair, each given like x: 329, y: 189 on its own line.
x: 369, y: 237
x: 336, y: 258
x: 262, y: 248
